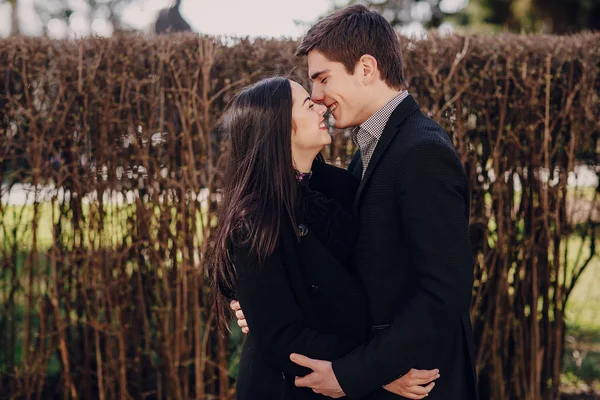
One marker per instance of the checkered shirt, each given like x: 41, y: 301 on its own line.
x: 367, y: 134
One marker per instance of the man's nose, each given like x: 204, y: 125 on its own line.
x: 317, y: 95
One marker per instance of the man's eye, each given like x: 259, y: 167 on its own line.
x: 323, y: 80
x: 311, y: 105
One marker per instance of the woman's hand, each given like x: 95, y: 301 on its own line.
x: 416, y: 384
x: 411, y: 384
x: 239, y: 314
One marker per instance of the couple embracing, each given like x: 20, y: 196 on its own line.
x: 350, y: 282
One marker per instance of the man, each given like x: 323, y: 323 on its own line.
x: 413, y: 252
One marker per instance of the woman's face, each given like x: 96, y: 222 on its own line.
x: 309, y: 133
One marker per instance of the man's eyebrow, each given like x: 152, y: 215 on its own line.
x: 305, y: 100
x: 316, y: 74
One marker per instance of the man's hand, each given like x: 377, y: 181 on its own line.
x: 239, y: 314
x: 322, y: 380
x: 410, y: 385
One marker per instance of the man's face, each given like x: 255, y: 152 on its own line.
x: 343, y: 93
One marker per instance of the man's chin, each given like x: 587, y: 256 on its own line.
x: 340, y: 125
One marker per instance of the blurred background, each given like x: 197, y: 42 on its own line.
x: 275, y: 18
x: 141, y: 106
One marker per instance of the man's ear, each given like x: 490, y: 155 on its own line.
x: 369, y: 69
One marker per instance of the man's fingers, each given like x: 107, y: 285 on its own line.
x: 246, y: 330
x: 415, y: 396
x: 304, y: 361
x: 239, y: 314
x: 422, y: 377
x: 424, y: 381
x: 242, y: 323
x: 423, y: 373
x: 303, y: 381
x: 429, y: 380
x: 235, y: 305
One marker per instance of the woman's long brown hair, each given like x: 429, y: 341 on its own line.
x: 259, y: 184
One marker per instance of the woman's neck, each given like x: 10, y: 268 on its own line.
x: 303, y: 164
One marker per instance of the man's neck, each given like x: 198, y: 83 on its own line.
x: 381, y: 98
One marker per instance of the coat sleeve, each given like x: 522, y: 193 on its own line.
x: 335, y: 183
x: 432, y: 197
x: 275, y: 319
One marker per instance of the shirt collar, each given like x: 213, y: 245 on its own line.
x: 375, y: 125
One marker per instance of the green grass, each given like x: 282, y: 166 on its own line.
x: 17, y: 222
x: 583, y: 307
x: 46, y: 216
x: 581, y: 363
x: 582, y: 314
x: 17, y: 242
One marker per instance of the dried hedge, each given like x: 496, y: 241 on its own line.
x: 112, y: 145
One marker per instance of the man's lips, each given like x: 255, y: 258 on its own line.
x: 330, y: 109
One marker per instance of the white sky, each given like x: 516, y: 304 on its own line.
x: 228, y: 17
x: 217, y: 17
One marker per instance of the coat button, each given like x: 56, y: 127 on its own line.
x: 314, y: 289
x: 302, y: 230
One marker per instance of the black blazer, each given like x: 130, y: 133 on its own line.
x: 303, y: 298
x: 414, y: 259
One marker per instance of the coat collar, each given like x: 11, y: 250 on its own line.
x: 400, y: 114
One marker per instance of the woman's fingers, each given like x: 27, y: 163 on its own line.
x: 239, y: 314
x: 421, y: 390
x: 418, y: 392
x: 235, y: 305
x: 242, y: 323
x: 416, y: 384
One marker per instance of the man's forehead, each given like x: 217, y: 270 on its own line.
x: 316, y: 62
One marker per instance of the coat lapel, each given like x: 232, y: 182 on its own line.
x: 356, y: 167
x: 404, y: 109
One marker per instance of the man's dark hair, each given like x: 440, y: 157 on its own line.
x: 351, y: 32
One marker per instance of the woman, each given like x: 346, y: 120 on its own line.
x: 284, y: 239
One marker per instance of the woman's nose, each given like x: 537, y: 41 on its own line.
x: 321, y: 109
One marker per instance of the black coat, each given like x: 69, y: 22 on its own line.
x: 413, y: 257
x: 303, y: 298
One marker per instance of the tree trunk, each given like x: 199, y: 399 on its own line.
x: 14, y: 18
